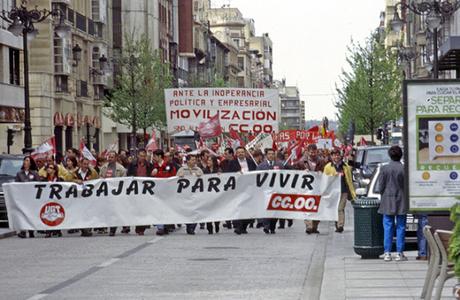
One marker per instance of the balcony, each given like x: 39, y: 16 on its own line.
x: 449, y: 58
x: 100, y: 79
x: 66, y: 2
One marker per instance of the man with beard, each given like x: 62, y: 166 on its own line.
x: 311, y: 162
x: 139, y: 168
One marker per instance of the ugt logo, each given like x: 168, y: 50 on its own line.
x: 52, y: 214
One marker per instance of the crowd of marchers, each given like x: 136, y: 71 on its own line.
x: 73, y: 167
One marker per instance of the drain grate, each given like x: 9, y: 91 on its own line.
x: 207, y: 259
x: 223, y: 248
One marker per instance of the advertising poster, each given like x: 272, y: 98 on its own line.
x: 243, y: 110
x: 432, y: 153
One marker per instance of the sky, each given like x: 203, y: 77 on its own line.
x: 310, y: 40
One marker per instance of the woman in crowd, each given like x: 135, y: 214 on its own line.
x: 71, y: 166
x: 190, y: 169
x: 28, y: 173
x: 52, y: 175
x: 212, y: 167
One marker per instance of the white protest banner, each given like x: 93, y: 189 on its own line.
x: 243, y: 110
x: 141, y: 201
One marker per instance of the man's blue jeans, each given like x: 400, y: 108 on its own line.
x: 389, y: 229
x: 421, y: 240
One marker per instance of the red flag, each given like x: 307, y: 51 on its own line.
x: 362, y: 142
x: 48, y: 147
x: 313, y: 129
x: 235, y: 136
x: 152, y: 144
x: 274, y: 145
x: 87, y: 154
x: 210, y: 128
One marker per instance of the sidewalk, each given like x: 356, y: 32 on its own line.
x: 6, y: 232
x: 347, y: 276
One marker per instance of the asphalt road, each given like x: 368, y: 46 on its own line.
x: 287, y: 265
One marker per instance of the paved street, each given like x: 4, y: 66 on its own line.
x: 288, y: 265
x: 178, y: 266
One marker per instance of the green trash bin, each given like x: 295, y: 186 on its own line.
x: 368, y: 228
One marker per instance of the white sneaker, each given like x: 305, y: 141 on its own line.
x: 400, y: 257
x: 387, y: 256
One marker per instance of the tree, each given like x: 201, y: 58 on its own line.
x: 137, y: 101
x: 370, y: 94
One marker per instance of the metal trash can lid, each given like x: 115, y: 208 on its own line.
x: 366, y: 202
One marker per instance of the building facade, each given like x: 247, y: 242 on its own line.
x: 415, y: 43
x: 292, y: 109
x: 67, y: 83
x: 11, y: 86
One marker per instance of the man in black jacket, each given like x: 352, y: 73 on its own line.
x: 246, y: 165
x: 139, y: 168
x: 229, y: 165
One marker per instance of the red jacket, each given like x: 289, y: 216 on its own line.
x: 165, y: 170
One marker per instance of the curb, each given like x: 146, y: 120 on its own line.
x: 7, y: 234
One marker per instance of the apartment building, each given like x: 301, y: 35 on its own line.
x: 11, y: 86
x: 292, y: 109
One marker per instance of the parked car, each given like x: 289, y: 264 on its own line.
x: 371, y: 192
x: 9, y: 166
x: 365, y: 162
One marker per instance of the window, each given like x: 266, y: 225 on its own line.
x: 91, y: 27
x: 71, y: 16
x: 81, y: 22
x: 241, y: 62
x: 14, y: 66
x: 61, y: 84
x: 82, y: 88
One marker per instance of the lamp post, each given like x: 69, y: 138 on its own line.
x: 22, y: 22
x: 436, y: 12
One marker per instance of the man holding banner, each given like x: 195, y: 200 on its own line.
x: 246, y: 165
x: 311, y: 163
x: 339, y: 168
x: 110, y: 170
x: 269, y: 164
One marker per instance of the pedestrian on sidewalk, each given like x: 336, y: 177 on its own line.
x: 393, y: 205
x: 337, y: 167
x: 421, y: 239
x: 28, y: 173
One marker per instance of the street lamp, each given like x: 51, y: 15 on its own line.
x: 22, y: 22
x: 436, y: 12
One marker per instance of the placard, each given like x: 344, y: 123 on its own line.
x: 432, y: 156
x: 244, y: 110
